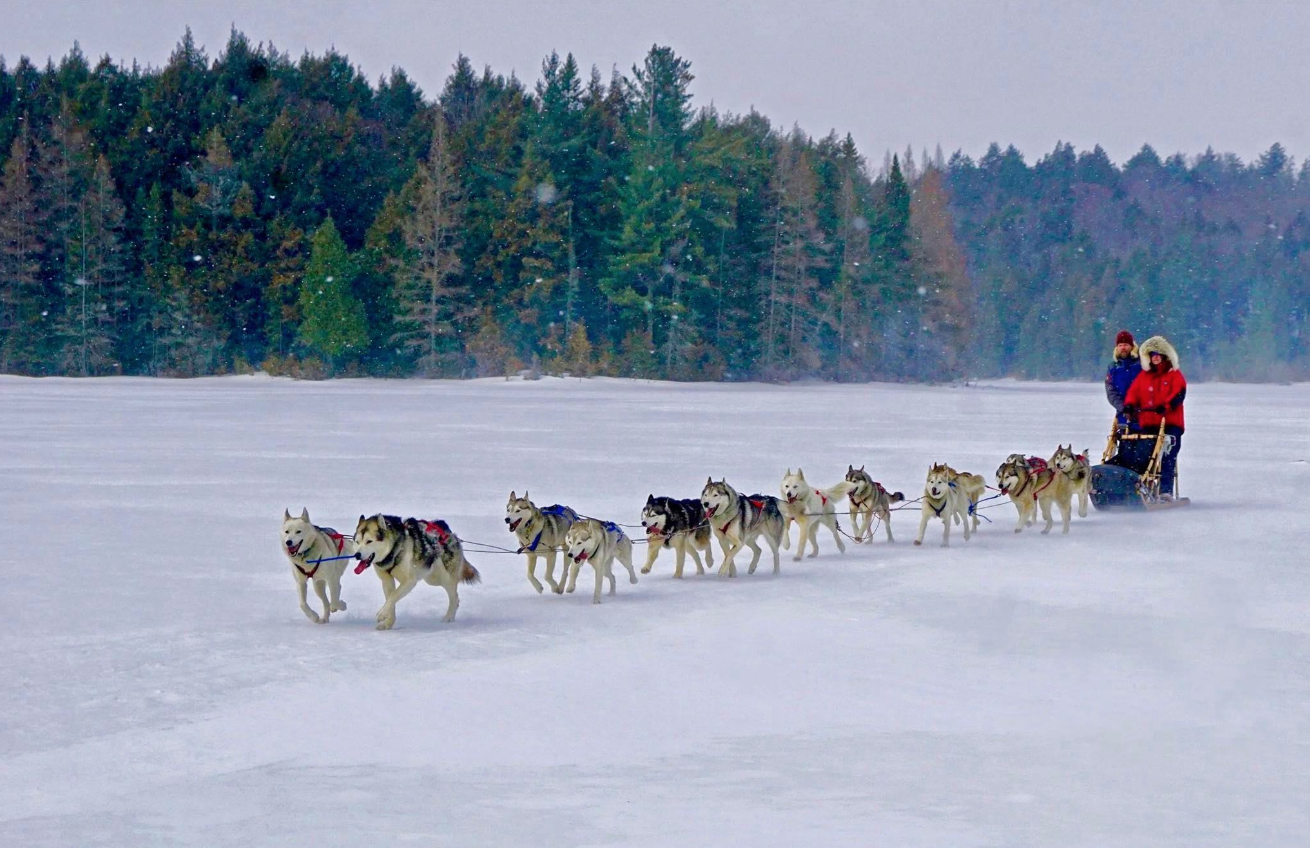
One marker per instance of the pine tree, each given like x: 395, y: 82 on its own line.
x: 22, y: 246
x: 96, y: 298
x: 431, y: 295
x: 332, y: 320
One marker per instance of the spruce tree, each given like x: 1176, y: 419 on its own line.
x: 433, y: 302
x: 332, y: 320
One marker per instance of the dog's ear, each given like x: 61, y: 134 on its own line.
x: 709, y: 481
x: 526, y: 497
x: 286, y: 514
x: 800, y: 472
x: 512, y: 496
x: 850, y: 468
x: 861, y: 467
x: 788, y: 474
x: 304, y: 513
x: 650, y: 499
x: 361, y: 520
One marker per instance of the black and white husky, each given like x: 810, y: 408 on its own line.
x: 676, y: 524
x: 307, y: 546
x: 405, y: 551
x: 599, y: 543
x: 738, y: 520
x: 869, y: 498
x: 541, y: 535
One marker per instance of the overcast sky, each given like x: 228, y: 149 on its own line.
x: 1179, y: 75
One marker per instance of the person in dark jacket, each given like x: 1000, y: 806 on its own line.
x: 1120, y: 375
x: 1157, y: 396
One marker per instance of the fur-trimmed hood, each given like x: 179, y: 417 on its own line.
x: 1160, y: 345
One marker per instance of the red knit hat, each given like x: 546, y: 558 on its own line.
x: 1124, y: 337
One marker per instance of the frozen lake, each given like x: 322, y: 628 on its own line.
x: 1142, y: 681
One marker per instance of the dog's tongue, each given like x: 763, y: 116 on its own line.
x: 363, y: 564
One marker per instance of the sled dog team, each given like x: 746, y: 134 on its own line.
x: 403, y: 552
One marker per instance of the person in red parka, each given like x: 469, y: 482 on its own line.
x: 1157, y: 395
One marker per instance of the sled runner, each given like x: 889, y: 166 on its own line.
x: 1129, y: 476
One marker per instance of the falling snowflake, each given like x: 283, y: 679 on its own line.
x: 546, y: 193
x: 195, y: 258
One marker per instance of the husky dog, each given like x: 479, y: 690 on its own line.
x: 1032, y: 484
x: 405, y: 551
x: 945, y: 498
x: 306, y: 545
x: 1079, y: 471
x: 738, y: 520
x: 540, y: 533
x: 809, y: 508
x: 974, y: 487
x: 599, y: 543
x: 677, y: 524
x: 869, y: 498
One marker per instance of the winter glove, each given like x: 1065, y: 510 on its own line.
x: 1158, y: 410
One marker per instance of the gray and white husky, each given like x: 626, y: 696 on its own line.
x: 405, y: 551
x: 810, y: 508
x: 541, y: 534
x: 869, y: 498
x: 680, y: 525
x: 1078, y: 469
x: 738, y: 520
x: 599, y: 543
x: 306, y: 546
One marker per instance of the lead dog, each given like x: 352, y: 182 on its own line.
x: 1078, y: 469
x: 809, y: 508
x: 739, y: 520
x: 869, y: 498
x: 677, y: 524
x: 306, y: 546
x: 403, y: 552
x: 540, y: 533
x: 599, y: 543
x: 944, y: 498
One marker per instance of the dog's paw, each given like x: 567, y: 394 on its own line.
x: 595, y: 600
x: 339, y: 606
x: 558, y: 590
x: 645, y: 569
x: 1047, y: 530
x: 386, y: 625
x: 538, y: 587
x: 449, y: 619
x: 310, y: 614
x: 384, y: 614
x: 918, y: 542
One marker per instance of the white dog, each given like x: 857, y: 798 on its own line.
x: 809, y: 508
x: 307, y: 546
x: 599, y: 543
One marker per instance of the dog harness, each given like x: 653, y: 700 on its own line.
x: 553, y: 509
x: 1037, y: 466
x: 334, y: 536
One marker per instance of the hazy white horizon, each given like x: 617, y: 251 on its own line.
x: 1179, y: 76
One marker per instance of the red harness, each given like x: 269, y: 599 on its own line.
x: 341, y: 543
x: 1037, y: 466
x: 757, y: 504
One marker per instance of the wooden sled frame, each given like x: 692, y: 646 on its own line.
x: 1149, y: 486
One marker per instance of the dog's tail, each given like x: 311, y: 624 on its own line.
x: 895, y: 497
x: 470, y: 574
x: 840, y: 491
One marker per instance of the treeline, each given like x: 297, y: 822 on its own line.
x: 256, y: 211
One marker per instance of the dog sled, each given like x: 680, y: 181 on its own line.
x: 1129, y: 474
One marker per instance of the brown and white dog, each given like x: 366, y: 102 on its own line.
x: 1031, y: 484
x: 405, y: 551
x: 1078, y: 469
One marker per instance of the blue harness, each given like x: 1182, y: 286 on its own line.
x: 553, y: 509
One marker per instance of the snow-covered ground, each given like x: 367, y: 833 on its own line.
x: 1143, y: 681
